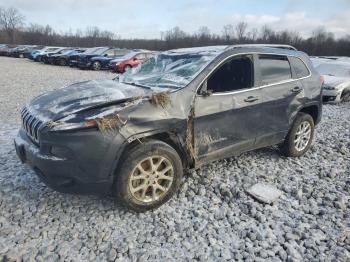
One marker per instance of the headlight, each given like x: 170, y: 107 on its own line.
x: 65, y: 126
x: 85, y: 120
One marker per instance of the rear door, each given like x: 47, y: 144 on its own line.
x: 281, y: 97
x: 226, y: 110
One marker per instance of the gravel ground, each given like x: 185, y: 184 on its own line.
x: 211, y: 218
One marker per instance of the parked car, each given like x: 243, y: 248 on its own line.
x: 62, y: 58
x: 45, y: 57
x: 120, y: 65
x: 21, y: 51
x: 135, y: 135
x: 49, y: 49
x: 102, y: 61
x: 95, y: 51
x: 32, y: 54
x: 26, y: 52
x: 85, y: 62
x: 337, y: 81
x: 4, y: 50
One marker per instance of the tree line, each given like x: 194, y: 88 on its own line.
x: 13, y: 30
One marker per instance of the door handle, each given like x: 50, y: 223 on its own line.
x: 251, y: 99
x: 296, y: 89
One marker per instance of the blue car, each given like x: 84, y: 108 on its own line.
x: 62, y: 59
x: 84, y: 60
x: 102, y: 62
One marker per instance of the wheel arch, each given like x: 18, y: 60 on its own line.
x: 169, y: 138
x: 313, y: 111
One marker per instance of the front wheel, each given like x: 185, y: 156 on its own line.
x: 96, y: 65
x: 299, y: 137
x: 62, y: 62
x: 149, y: 175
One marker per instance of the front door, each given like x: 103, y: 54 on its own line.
x: 226, y: 110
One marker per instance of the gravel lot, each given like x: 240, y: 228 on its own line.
x: 211, y: 218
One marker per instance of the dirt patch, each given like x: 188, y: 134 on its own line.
x: 189, y: 135
x: 161, y: 99
x: 51, y: 124
x: 110, y: 124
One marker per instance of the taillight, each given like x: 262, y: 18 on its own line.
x: 322, y: 79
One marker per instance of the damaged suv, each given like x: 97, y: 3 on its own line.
x: 135, y: 135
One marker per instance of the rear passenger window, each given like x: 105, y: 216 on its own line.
x: 299, y: 67
x: 274, y: 69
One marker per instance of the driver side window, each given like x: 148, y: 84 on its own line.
x: 235, y: 74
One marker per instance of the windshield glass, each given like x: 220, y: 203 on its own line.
x: 334, y: 70
x: 169, y: 70
x: 95, y: 50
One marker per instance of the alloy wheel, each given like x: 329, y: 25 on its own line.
x: 302, y: 136
x: 151, y: 179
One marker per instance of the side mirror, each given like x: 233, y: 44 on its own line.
x: 204, y: 90
x: 105, y: 55
x: 206, y: 93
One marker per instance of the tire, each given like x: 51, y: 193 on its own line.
x: 149, y: 196
x: 21, y: 56
x: 127, y: 68
x: 345, y: 96
x: 96, y: 65
x: 62, y: 62
x: 290, y: 145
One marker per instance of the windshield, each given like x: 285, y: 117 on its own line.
x: 169, y: 70
x: 95, y: 50
x: 334, y: 70
x: 66, y: 52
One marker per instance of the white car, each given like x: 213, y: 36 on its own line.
x: 336, y: 81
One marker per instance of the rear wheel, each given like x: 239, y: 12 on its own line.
x: 149, y: 175
x: 62, y: 62
x: 345, y: 95
x: 21, y: 55
x: 96, y: 65
x: 299, y: 137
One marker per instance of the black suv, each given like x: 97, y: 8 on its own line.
x: 135, y: 135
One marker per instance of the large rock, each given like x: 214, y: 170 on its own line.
x: 264, y: 193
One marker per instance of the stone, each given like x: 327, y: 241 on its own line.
x: 265, y: 193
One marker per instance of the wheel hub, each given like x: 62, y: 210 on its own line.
x: 151, y: 179
x: 302, y: 136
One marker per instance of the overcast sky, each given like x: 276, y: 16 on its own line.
x: 147, y: 18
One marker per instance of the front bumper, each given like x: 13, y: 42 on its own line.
x: 80, y: 162
x: 330, y: 95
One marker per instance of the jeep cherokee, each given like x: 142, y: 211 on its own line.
x: 135, y: 135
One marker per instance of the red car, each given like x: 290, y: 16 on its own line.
x: 129, y: 61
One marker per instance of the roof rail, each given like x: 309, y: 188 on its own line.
x: 289, y: 47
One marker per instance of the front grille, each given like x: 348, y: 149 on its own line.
x: 31, y: 124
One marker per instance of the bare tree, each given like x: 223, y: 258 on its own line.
x: 241, y: 29
x: 228, y: 32
x: 10, y: 21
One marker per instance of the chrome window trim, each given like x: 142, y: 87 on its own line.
x: 253, y: 88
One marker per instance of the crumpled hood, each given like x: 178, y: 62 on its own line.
x: 334, y: 81
x: 81, y: 96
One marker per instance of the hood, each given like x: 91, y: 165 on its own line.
x: 118, y: 60
x: 82, y: 56
x: 82, y: 96
x: 334, y: 80
x: 101, y: 58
